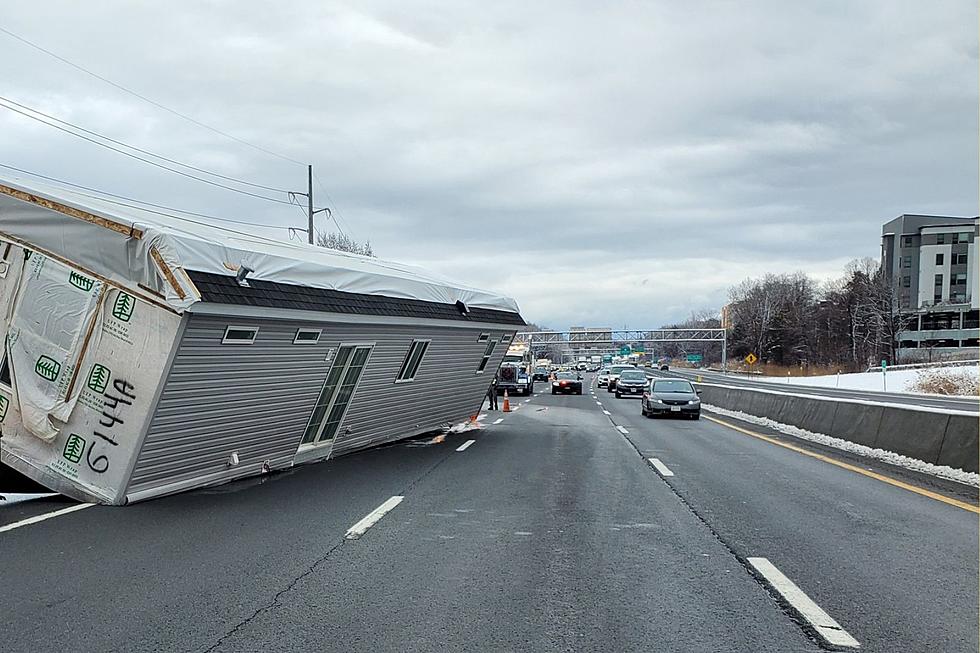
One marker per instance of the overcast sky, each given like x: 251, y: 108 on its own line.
x: 606, y: 164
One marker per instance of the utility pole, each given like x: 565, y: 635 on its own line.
x: 309, y: 201
x: 310, y: 212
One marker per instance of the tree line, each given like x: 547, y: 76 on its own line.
x: 789, y: 319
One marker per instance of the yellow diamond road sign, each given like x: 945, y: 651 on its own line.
x: 751, y: 359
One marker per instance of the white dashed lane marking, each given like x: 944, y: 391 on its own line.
x: 661, y: 468
x: 465, y: 445
x: 823, y: 623
x: 44, y: 517
x: 372, y: 518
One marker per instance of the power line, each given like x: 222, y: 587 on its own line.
x: 104, y: 195
x: 142, y: 151
x: 146, y: 99
x: 336, y: 218
x: 133, y: 156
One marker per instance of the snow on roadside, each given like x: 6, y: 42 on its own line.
x: 914, y: 464
x: 895, y: 380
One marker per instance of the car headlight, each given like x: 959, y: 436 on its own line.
x: 556, y: 384
x: 694, y: 401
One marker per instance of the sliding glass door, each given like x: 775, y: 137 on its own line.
x: 336, y: 394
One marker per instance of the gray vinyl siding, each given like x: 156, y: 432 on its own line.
x: 256, y: 399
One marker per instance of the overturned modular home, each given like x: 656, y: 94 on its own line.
x: 147, y: 354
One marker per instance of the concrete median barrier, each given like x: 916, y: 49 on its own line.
x: 959, y: 448
x: 934, y: 436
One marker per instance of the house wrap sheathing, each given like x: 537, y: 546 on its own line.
x: 146, y: 354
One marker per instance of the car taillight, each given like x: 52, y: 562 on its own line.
x: 564, y: 382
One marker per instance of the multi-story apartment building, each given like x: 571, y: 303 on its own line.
x: 932, y: 262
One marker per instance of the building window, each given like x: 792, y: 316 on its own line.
x: 908, y: 241
x: 412, y: 361
x: 939, y: 259
x: 940, y: 239
x: 906, y: 262
x: 961, y: 238
x: 483, y: 337
x: 486, y: 356
x: 939, y: 279
x: 960, y: 259
x: 239, y: 335
x: 958, y: 280
x: 906, y: 281
x: 306, y: 337
x: 5, y: 370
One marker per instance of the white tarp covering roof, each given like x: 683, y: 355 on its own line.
x: 135, y: 247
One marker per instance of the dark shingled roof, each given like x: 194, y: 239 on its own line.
x: 222, y: 289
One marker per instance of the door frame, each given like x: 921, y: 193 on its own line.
x: 317, y: 444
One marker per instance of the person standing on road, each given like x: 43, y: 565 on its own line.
x: 492, y: 394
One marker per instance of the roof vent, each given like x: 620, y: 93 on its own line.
x: 243, y: 272
x: 461, y: 307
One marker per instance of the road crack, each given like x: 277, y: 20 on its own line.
x: 780, y: 602
x: 311, y: 569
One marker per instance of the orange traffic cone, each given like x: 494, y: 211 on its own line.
x: 506, y: 402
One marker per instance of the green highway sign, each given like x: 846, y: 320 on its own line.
x: 625, y: 350
x: 694, y: 358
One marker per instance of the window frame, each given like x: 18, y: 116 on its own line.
x: 940, y: 258
x: 298, y: 341
x: 484, y: 337
x: 236, y: 327
x: 407, y: 372
x: 487, y: 354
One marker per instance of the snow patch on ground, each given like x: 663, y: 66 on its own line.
x: 914, y: 464
x: 894, y: 381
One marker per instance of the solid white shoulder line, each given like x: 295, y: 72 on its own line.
x: 45, y: 516
x: 372, y: 518
x: 822, y: 622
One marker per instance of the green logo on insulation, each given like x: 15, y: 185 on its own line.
x: 123, y: 307
x: 47, y: 368
x: 98, y: 378
x: 81, y: 282
x: 74, y: 447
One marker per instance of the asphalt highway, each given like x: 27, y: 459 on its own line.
x: 550, y: 531
x: 971, y: 404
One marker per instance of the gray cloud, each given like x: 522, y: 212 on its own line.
x: 531, y: 148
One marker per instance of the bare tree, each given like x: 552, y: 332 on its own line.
x: 344, y: 243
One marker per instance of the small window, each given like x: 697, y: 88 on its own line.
x: 964, y: 237
x: 939, y: 259
x: 906, y: 281
x: 486, y: 356
x: 5, y: 371
x: 940, y: 239
x: 238, y: 335
x: 412, y: 361
x: 483, y: 337
x: 307, y: 337
x: 908, y: 241
x: 906, y: 262
x: 505, y: 338
x: 960, y: 259
x: 939, y: 279
x: 958, y: 280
